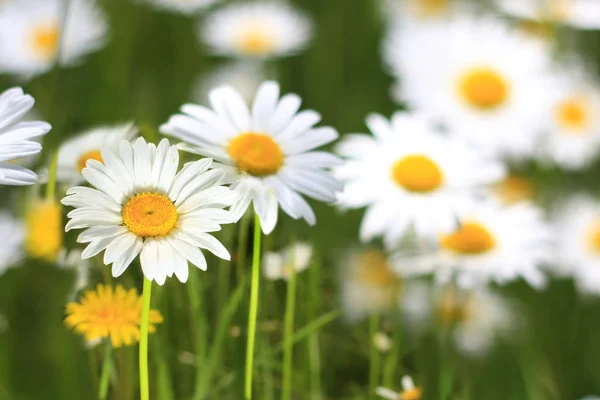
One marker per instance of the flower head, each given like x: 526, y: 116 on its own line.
x: 108, y: 313
x: 187, y: 7
x: 44, y: 227
x: 409, y: 391
x: 292, y: 259
x: 582, y: 14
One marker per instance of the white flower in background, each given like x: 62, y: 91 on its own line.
x: 74, y: 153
x: 577, y: 230
x: 245, y: 77
x: 493, y: 243
x: 260, y: 29
x: 409, y: 391
x: 368, y: 284
x: 421, y: 11
x: 267, y: 152
x: 71, y: 260
x: 30, y: 33
x: 382, y: 342
x: 571, y: 127
x: 582, y: 14
x: 12, y: 235
x: 477, y: 77
x: 17, y: 137
x: 142, y: 206
x: 292, y: 259
x: 188, y: 7
x: 409, y: 174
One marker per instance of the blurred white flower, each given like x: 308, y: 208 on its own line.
x: 382, y: 342
x: 292, y: 259
x: 30, y: 33
x: 258, y: 29
x: 403, y: 12
x: 409, y: 175
x: 188, y: 7
x: 409, y: 391
x: 17, y: 137
x: 267, y: 153
x: 571, y: 127
x: 582, y: 14
x: 74, y: 153
x: 12, y: 237
x: 368, y: 284
x: 72, y: 260
x: 245, y: 77
x: 475, y: 76
x: 493, y: 243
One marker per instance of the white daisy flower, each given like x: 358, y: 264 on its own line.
x: 267, y: 152
x: 475, y: 76
x: 421, y: 11
x: 142, y: 206
x: 292, y: 259
x: 582, y: 14
x: 187, y: 7
x: 258, y: 29
x: 30, y: 31
x: 409, y: 391
x: 74, y: 153
x: 577, y: 230
x: 245, y: 77
x: 493, y: 243
x: 572, y: 124
x: 17, y: 139
x: 12, y: 235
x: 409, y: 174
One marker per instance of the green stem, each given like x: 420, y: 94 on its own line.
x: 144, y: 382
x: 288, y: 351
x: 94, y: 369
x: 243, y: 243
x: 374, y: 357
x: 313, y: 340
x: 253, y: 309
x: 51, y: 185
x: 106, y: 371
x: 391, y: 363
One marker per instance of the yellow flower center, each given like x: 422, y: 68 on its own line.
x: 256, y: 154
x: 559, y: 10
x: 412, y: 394
x: 45, y: 40
x: 375, y: 269
x: 430, y: 8
x: 150, y: 215
x: 255, y: 41
x: 453, y: 310
x: 514, y: 189
x: 573, y: 114
x: 594, y: 236
x: 483, y: 88
x: 471, y: 238
x: 44, y: 237
x: 417, y: 173
x: 90, y: 155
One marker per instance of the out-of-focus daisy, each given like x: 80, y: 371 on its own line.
x: 32, y: 30
x: 420, y: 11
x: 260, y: 29
x: 577, y: 230
x: 582, y: 14
x: 74, y: 153
x: 16, y: 137
x: 514, y: 189
x: 292, y: 259
x: 382, y: 342
x: 188, y: 7
x: 408, y: 174
x: 44, y: 228
x: 572, y: 124
x: 108, y: 313
x: 12, y: 236
x: 268, y: 152
x: 492, y: 243
x: 409, y: 391
x: 369, y: 285
x: 142, y: 206
x: 476, y: 76
x: 245, y: 77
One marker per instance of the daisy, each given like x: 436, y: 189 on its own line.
x: 420, y: 11
x: 409, y: 391
x: 108, y: 313
x: 74, y: 153
x: 30, y: 31
x: 187, y: 7
x: 12, y: 235
x: 16, y: 137
x: 142, y: 206
x: 261, y: 29
x: 268, y: 152
x: 572, y: 124
x: 477, y: 77
x: 245, y: 77
x: 292, y: 259
x: 409, y: 174
x: 582, y: 14
x: 44, y: 227
x: 492, y: 243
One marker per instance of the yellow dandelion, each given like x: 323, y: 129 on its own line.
x: 44, y: 228
x: 110, y: 313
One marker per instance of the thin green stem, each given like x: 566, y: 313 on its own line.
x: 243, y: 243
x: 253, y: 309
x: 144, y: 382
x: 106, y: 371
x: 51, y: 185
x: 94, y: 369
x: 313, y: 340
x: 391, y: 363
x: 374, y: 357
x: 288, y: 351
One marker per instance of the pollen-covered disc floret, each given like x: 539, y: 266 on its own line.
x: 142, y: 206
x: 110, y: 313
x: 409, y: 174
x: 267, y: 152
